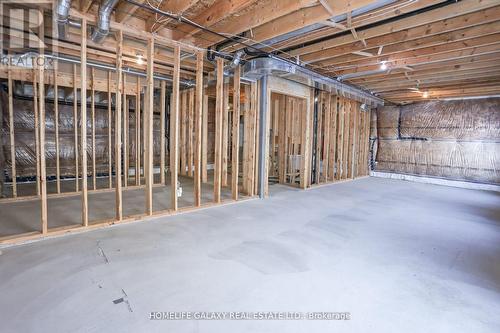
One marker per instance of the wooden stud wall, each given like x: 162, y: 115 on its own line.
x: 342, y: 133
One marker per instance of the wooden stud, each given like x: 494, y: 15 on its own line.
x: 250, y: 128
x: 43, y: 177
x: 83, y: 137
x: 56, y: 125
x: 92, y: 115
x: 267, y: 133
x: 118, y: 120
x: 319, y: 134
x: 125, y: 134
x: 182, y: 134
x: 347, y: 137
x: 366, y: 161
x: 190, y: 128
x: 219, y: 117
x: 225, y: 134
x: 37, y: 130
x: 306, y: 141
x: 352, y: 139
x: 110, y: 169
x: 288, y: 135
x: 148, y: 127
x: 11, y: 135
x: 75, y: 127
x: 326, y: 140
x: 236, y: 133
x: 174, y: 129
x: 144, y: 137
x: 255, y: 160
x: 360, y: 144
x: 163, y: 97
x: 198, y: 128
x: 332, y: 100
x: 138, y: 134
x: 340, y: 138
x: 282, y: 153
x: 204, y: 141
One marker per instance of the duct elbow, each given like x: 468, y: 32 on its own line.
x: 100, y: 32
x: 61, y: 17
x: 98, y: 35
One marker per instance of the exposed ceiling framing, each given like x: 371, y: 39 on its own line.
x: 403, y: 50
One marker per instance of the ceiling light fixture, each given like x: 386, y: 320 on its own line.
x: 425, y: 94
x: 140, y: 61
x: 383, y: 65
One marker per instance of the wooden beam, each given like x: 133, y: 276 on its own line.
x: 148, y: 127
x: 83, y: 136
x: 174, y: 129
x: 236, y: 133
x: 263, y: 12
x: 438, y: 14
x: 12, y: 135
x: 125, y: 10
x: 345, y: 53
x: 154, y: 23
x: 118, y: 127
x: 210, y: 16
x: 198, y: 129
x: 311, y: 15
x: 85, y: 5
x: 418, y: 60
x: 392, y: 58
x: 337, y: 7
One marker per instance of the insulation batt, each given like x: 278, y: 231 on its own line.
x: 457, y: 140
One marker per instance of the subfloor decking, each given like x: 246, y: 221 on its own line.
x: 399, y: 256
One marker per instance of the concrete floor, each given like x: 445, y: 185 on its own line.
x: 399, y: 256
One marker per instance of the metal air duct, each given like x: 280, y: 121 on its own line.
x: 102, y: 30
